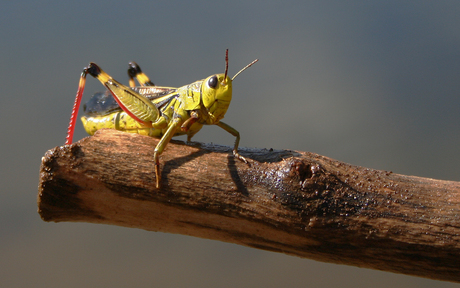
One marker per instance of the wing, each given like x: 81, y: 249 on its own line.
x: 103, y: 103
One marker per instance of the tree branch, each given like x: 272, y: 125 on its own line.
x: 297, y: 203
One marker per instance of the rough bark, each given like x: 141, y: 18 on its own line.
x: 297, y: 203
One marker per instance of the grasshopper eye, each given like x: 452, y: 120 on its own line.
x: 212, y: 82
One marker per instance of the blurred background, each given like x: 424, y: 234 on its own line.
x: 371, y: 83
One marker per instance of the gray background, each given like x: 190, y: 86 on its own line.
x: 372, y: 83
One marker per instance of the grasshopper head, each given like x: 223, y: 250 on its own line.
x: 217, y: 93
x: 216, y: 96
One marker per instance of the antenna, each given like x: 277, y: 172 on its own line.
x: 226, y: 67
x: 246, y: 67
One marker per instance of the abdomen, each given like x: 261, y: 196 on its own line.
x: 119, y: 121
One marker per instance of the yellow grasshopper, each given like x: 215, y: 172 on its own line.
x: 161, y: 112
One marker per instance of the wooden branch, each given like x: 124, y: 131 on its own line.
x: 297, y: 203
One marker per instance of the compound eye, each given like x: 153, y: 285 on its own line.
x: 212, y: 82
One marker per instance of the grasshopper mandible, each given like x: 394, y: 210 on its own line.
x: 161, y: 112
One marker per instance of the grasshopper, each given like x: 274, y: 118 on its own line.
x: 161, y: 112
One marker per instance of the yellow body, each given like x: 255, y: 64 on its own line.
x: 161, y: 112
x: 197, y: 97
